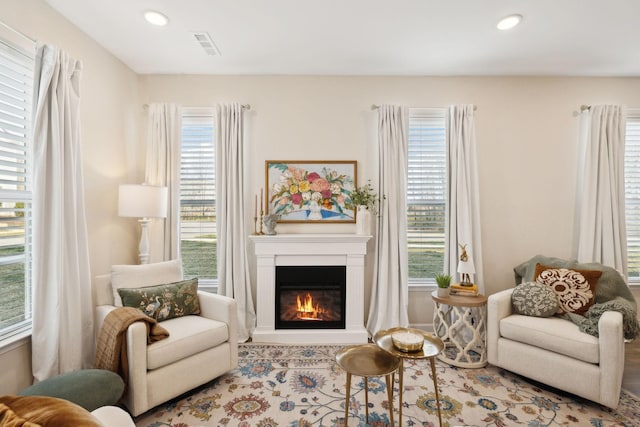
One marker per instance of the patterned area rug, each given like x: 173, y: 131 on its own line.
x: 301, y: 385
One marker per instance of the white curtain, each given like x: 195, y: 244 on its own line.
x: 600, y: 214
x: 462, y: 223
x: 163, y: 168
x: 62, y: 338
x: 233, y: 266
x: 389, y: 293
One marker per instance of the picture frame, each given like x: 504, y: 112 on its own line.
x: 316, y: 191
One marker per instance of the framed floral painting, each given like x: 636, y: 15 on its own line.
x: 311, y: 191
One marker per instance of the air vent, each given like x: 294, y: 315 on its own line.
x: 204, y: 40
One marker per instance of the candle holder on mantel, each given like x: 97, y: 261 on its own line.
x: 260, y: 233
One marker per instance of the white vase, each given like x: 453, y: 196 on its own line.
x: 315, y: 211
x: 443, y: 292
x: 363, y: 221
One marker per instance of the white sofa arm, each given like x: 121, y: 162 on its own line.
x: 223, y: 309
x: 137, y: 394
x: 498, y: 307
x: 611, y: 342
x: 113, y: 416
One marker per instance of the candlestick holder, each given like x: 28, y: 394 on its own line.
x: 260, y: 223
x: 255, y: 225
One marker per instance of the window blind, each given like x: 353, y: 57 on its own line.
x: 632, y: 194
x: 198, y: 237
x: 426, y: 194
x: 17, y: 62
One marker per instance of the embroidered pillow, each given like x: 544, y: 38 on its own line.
x: 575, y: 289
x: 137, y: 276
x: 533, y: 299
x: 163, y: 302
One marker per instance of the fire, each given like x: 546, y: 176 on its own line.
x: 306, y: 309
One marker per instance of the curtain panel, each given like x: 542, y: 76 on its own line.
x: 62, y: 338
x: 600, y: 199
x: 163, y: 169
x: 462, y: 218
x: 233, y: 266
x: 390, y: 291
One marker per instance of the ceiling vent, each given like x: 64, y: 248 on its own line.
x: 204, y: 40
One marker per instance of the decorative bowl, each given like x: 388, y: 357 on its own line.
x: 407, y: 341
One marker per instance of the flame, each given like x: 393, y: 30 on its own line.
x: 306, y: 309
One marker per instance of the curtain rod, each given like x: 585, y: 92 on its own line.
x: 244, y: 106
x: 584, y: 107
x: 375, y: 107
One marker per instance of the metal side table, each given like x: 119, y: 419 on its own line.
x: 367, y: 360
x: 431, y: 347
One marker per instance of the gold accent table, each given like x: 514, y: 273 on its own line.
x: 461, y: 322
x: 367, y: 360
x: 430, y: 349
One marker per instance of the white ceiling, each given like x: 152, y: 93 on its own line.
x: 368, y: 37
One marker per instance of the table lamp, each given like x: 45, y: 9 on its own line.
x: 144, y: 202
x: 465, y: 268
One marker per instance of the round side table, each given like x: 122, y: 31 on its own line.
x: 461, y: 322
x: 431, y: 347
x: 367, y: 360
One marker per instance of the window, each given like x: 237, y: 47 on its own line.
x: 426, y: 194
x: 632, y: 193
x: 16, y: 92
x: 198, y: 236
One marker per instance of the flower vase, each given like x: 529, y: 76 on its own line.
x: 363, y: 221
x: 315, y: 211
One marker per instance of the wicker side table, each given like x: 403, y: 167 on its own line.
x: 461, y: 323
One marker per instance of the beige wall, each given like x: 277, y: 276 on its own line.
x: 110, y: 112
x: 526, y: 130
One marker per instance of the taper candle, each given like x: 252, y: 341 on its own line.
x: 261, y: 201
x: 255, y: 210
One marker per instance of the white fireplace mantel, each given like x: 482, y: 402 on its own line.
x: 314, y: 250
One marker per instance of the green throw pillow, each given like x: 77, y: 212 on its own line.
x: 533, y: 299
x: 163, y: 302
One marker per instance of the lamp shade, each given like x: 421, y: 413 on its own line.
x: 142, y: 201
x: 466, y: 267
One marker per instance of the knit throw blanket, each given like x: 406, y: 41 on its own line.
x: 111, y: 351
x: 612, y: 294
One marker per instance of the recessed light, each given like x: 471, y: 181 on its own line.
x: 156, y: 18
x: 509, y: 22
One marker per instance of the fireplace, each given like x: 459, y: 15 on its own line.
x: 310, y: 297
x: 318, y: 251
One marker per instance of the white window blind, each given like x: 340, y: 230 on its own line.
x: 16, y: 98
x: 632, y: 193
x: 198, y: 237
x: 426, y: 194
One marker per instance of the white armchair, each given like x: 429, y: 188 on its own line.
x: 553, y: 351
x: 199, y: 348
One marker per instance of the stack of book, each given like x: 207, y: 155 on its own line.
x: 458, y: 289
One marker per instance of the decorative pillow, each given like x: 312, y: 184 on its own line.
x: 533, y: 299
x: 164, y: 302
x: 10, y: 419
x: 576, y: 289
x: 44, y: 411
x: 137, y: 276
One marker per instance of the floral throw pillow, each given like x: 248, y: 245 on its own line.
x: 163, y: 302
x: 533, y: 299
x: 575, y: 289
